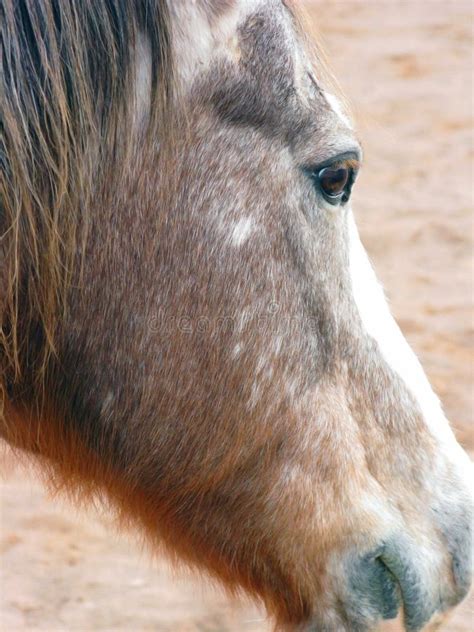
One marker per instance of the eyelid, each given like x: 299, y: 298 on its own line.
x: 351, y: 159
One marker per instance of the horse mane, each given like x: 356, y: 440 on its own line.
x: 68, y: 69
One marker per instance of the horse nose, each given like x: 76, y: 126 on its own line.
x: 398, y: 575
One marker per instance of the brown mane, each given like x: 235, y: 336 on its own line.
x: 63, y: 113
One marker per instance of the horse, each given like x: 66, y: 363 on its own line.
x: 191, y: 329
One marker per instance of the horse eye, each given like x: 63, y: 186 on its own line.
x: 335, y: 181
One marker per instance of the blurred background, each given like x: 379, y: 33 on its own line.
x: 406, y: 67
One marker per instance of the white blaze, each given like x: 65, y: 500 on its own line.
x: 381, y: 326
x: 336, y: 107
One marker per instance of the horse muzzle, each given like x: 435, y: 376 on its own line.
x: 414, y: 573
x: 401, y: 576
x: 389, y: 579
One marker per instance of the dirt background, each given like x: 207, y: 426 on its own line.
x: 407, y: 65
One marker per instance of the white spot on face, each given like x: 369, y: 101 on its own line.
x: 236, y: 350
x: 241, y: 231
x: 336, y: 107
x: 381, y: 326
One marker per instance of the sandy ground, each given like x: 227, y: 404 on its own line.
x: 407, y: 66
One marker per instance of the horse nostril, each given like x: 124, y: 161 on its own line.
x: 419, y: 601
x: 375, y: 592
x: 384, y: 581
x: 408, y: 585
x: 385, y: 588
x: 391, y: 591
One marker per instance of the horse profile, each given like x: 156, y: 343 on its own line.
x: 190, y: 326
